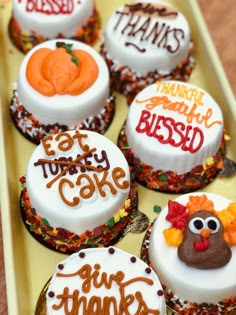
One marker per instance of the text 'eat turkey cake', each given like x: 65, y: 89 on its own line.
x: 77, y: 192
x: 193, y: 250
x: 34, y: 22
x: 144, y: 42
x: 173, y: 137
x: 61, y: 86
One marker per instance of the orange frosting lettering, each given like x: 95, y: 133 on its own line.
x: 65, y: 144
x: 79, y: 136
x: 76, y: 200
x: 47, y: 145
x: 91, y: 278
x: 104, y: 182
x: 87, y: 190
x: 190, y: 112
x: 181, y: 90
x: 63, y: 162
x: 75, y: 303
x: 117, y: 174
x: 86, y: 184
x: 67, y: 168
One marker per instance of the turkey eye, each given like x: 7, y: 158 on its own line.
x: 196, y: 224
x: 213, y: 224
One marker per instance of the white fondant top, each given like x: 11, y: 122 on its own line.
x: 64, y: 109
x: 191, y: 284
x: 100, y: 276
x: 77, y: 196
x: 141, y: 37
x: 50, y: 18
x: 174, y: 126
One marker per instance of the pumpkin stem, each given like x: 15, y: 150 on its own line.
x: 68, y: 48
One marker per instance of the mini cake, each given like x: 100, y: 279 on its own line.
x: 61, y: 86
x: 104, y: 281
x: 33, y: 22
x: 145, y: 42
x: 173, y: 137
x: 77, y: 191
x: 192, y: 247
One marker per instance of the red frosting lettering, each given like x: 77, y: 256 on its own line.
x: 167, y: 131
x: 50, y: 7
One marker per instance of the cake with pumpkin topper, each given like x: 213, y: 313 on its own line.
x: 146, y: 41
x: 33, y: 22
x: 192, y: 247
x: 75, y: 194
x: 61, y: 86
x: 103, y: 281
x: 173, y: 137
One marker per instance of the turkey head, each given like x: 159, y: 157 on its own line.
x: 203, y: 246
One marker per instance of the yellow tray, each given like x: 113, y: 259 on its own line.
x: 29, y: 265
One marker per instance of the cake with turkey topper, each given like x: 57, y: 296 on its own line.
x: 102, y: 281
x: 33, y: 22
x: 75, y: 194
x: 144, y: 42
x: 173, y: 137
x: 61, y: 86
x: 192, y: 247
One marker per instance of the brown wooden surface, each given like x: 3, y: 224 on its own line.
x: 220, y: 17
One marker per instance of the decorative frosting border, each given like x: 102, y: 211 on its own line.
x: 168, y: 181
x: 67, y: 242
x: 88, y: 33
x: 179, y: 306
x: 129, y: 83
x: 34, y: 130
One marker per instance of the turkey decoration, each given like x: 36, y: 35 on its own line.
x: 203, y: 236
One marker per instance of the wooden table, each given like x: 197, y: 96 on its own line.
x: 221, y: 21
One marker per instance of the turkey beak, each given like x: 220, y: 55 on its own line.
x: 205, y: 233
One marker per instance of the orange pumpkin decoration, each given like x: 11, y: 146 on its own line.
x: 52, y: 72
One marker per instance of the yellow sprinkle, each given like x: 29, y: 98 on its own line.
x: 227, y: 137
x: 210, y: 161
x: 127, y: 203
x: 117, y: 217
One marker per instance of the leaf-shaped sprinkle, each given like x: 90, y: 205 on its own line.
x: 157, y: 209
